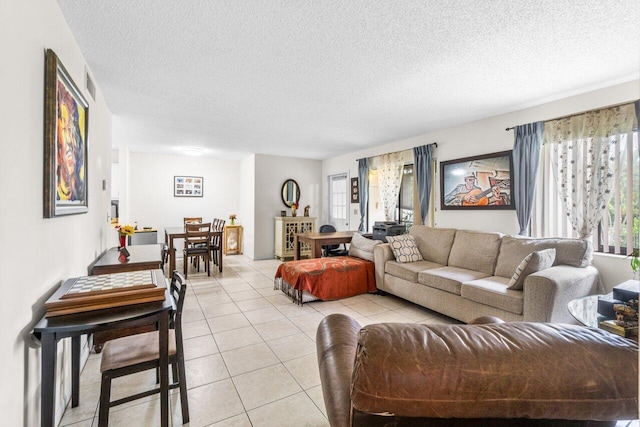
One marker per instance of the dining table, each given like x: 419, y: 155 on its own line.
x: 172, y: 233
x: 50, y: 330
x: 318, y: 240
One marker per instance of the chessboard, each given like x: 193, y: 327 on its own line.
x: 105, y: 291
x: 109, y: 283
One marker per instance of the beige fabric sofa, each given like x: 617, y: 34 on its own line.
x: 465, y: 275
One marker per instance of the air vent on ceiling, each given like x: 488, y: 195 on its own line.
x: 91, y: 87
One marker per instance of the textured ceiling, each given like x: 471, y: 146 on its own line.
x: 320, y: 78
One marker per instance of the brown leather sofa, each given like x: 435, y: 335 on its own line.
x: 492, y: 374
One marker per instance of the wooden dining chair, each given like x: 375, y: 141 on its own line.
x: 216, y: 241
x: 192, y: 220
x: 196, y: 245
x: 140, y: 352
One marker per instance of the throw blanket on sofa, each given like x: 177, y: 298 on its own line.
x: 325, y: 278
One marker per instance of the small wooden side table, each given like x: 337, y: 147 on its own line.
x: 232, y: 240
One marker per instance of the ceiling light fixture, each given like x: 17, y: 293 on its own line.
x: 193, y: 151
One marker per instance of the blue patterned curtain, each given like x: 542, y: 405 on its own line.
x: 363, y: 177
x: 423, y: 162
x: 526, y: 158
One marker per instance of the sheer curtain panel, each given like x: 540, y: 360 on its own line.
x: 583, y: 151
x: 390, y: 176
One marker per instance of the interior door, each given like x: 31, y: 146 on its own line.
x: 339, y: 202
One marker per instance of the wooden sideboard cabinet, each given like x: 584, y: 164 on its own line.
x: 232, y: 240
x: 286, y: 228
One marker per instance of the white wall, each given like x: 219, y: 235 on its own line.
x: 150, y: 200
x: 270, y: 174
x: 38, y: 254
x: 247, y: 189
x: 488, y: 136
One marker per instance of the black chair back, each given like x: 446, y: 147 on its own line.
x: 332, y: 250
x: 328, y: 228
x: 178, y: 290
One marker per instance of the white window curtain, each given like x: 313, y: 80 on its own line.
x: 582, y: 150
x: 390, y: 179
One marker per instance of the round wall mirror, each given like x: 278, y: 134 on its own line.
x: 290, y: 192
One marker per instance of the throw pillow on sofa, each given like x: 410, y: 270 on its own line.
x: 533, y: 262
x: 404, y: 248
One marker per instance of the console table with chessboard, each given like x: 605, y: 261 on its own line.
x: 98, y: 305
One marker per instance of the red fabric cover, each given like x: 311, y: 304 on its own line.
x: 330, y: 277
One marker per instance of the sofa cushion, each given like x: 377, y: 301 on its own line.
x: 533, y: 262
x: 408, y: 270
x: 476, y: 250
x: 434, y: 243
x: 404, y: 248
x: 361, y: 247
x: 362, y: 243
x: 448, y: 279
x: 573, y: 252
x: 359, y: 253
x: 494, y: 292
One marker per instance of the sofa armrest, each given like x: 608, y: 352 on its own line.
x: 513, y: 370
x: 548, y: 292
x: 381, y: 254
x: 336, y: 342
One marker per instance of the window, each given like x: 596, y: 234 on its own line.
x: 618, y: 230
x: 404, y: 214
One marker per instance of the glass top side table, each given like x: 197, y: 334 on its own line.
x: 585, y: 310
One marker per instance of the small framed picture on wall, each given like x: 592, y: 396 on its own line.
x: 188, y: 186
x: 355, y: 193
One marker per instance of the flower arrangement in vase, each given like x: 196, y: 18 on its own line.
x: 232, y: 218
x: 294, y: 208
x: 123, y: 232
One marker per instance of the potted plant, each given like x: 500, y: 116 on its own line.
x: 635, y: 263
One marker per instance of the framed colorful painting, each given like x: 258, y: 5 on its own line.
x: 66, y: 122
x: 188, y: 186
x: 479, y: 182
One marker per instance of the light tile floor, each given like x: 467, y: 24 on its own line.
x: 250, y: 354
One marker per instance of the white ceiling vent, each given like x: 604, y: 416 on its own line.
x: 91, y: 87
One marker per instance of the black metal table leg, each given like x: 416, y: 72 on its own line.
x: 75, y: 371
x: 47, y: 391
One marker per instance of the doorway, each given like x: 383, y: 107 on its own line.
x: 338, y: 202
